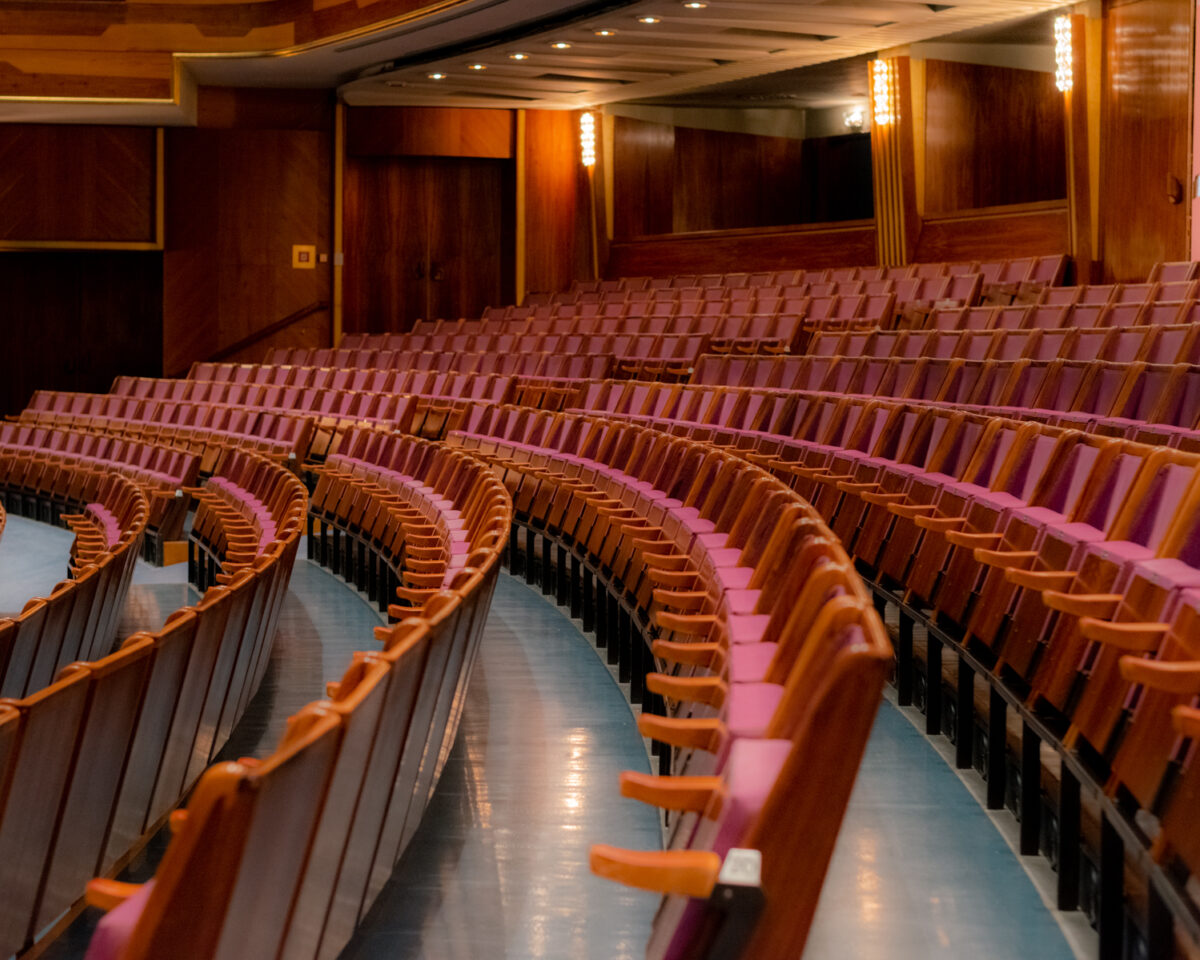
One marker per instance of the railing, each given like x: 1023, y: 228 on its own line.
x: 259, y: 335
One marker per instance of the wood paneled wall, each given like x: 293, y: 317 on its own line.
x: 993, y: 135
x: 429, y: 132
x: 1026, y: 230
x: 728, y: 180
x: 557, y: 214
x: 74, y: 320
x: 814, y: 246
x: 681, y: 179
x: 73, y: 183
x: 239, y: 195
x: 426, y: 238
x: 1147, y: 93
x: 643, y: 178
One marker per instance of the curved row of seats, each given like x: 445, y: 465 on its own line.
x: 1170, y: 343
x: 161, y: 472
x: 283, y: 856
x: 107, y: 513
x: 98, y: 746
x: 766, y: 633
x: 204, y: 429
x: 1122, y: 398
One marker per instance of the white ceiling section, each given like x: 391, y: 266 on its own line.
x: 684, y: 47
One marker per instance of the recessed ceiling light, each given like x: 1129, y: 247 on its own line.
x: 477, y: 66
x: 649, y: 20
x: 561, y: 45
x: 437, y: 76
x: 605, y: 32
x: 518, y: 56
x: 694, y: 4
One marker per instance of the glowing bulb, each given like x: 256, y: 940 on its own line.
x: 649, y: 20
x: 605, y: 32
x: 1063, y: 78
x: 853, y: 119
x: 587, y: 140
x: 518, y: 56
x: 477, y: 66
x: 695, y: 5
x: 561, y: 45
x: 882, y: 92
x: 437, y: 76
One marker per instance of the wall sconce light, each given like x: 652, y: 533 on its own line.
x: 1062, y: 54
x: 587, y: 139
x: 882, y: 92
x: 854, y: 119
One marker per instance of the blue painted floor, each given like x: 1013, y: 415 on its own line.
x: 33, y: 558
x: 499, y: 866
x: 920, y: 870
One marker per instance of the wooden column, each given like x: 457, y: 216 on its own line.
x: 1081, y: 105
x: 893, y: 160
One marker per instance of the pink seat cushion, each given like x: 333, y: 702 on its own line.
x: 117, y: 926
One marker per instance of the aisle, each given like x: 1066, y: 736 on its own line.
x: 499, y: 866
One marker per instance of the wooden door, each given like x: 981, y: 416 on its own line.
x: 1144, y: 175
x: 425, y: 238
x: 469, y: 238
x: 386, y: 240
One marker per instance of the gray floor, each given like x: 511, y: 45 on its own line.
x: 499, y: 867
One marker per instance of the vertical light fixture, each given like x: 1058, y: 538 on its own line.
x: 1062, y: 54
x: 882, y: 93
x: 587, y: 139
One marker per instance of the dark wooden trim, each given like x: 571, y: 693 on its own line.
x: 269, y: 330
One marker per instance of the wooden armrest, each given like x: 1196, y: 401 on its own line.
x: 708, y: 690
x: 670, y: 578
x: 690, y: 623
x: 1005, y: 559
x: 1101, y: 605
x: 847, y: 487
x: 107, y: 894
x: 1187, y: 721
x: 1134, y: 637
x: 693, y: 654
x: 1041, y: 580
x: 910, y: 511
x: 882, y: 499
x: 960, y: 539
x: 666, y: 561
x: 1170, y: 676
x: 684, y: 600
x: 687, y: 873
x: 939, y: 524
x: 691, y: 794
x: 705, y: 733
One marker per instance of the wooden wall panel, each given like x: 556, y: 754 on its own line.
x: 557, y: 216
x: 428, y: 132
x: 261, y: 109
x: 1146, y: 98
x: 1030, y: 230
x: 724, y: 181
x: 425, y: 238
x: 993, y: 135
x: 77, y: 183
x: 74, y: 320
x: 815, y: 246
x: 643, y: 178
x: 237, y: 200
x: 681, y: 179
